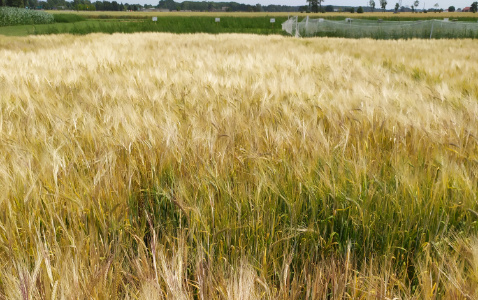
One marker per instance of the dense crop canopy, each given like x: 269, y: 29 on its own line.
x: 10, y: 16
x: 152, y: 166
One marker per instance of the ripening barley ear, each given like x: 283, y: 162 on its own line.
x: 458, y: 269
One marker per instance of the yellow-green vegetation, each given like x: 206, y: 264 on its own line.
x: 85, y: 22
x: 151, y: 166
x: 376, y: 14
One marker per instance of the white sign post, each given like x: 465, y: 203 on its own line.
x: 218, y: 20
x: 273, y: 20
x: 155, y: 19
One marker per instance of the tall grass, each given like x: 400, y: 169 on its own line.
x: 240, y: 167
x: 256, y: 25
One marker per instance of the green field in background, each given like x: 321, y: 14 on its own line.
x: 196, y: 22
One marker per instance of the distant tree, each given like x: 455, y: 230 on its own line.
x: 436, y: 7
x: 352, y: 10
x: 372, y: 4
x: 106, y: 5
x: 75, y: 4
x: 474, y: 7
x: 99, y: 5
x: 114, y: 6
x: 360, y: 10
x: 397, y: 6
x: 31, y: 3
x: 451, y: 9
x: 416, y: 3
x: 315, y: 5
x: 383, y: 4
x: 15, y: 3
x: 329, y: 8
x: 167, y: 4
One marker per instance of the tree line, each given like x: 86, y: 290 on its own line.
x: 227, y: 6
x: 315, y: 6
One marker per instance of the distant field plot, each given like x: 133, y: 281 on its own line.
x: 132, y: 15
x: 173, y: 24
x: 126, y: 23
x: 380, y: 29
x: 80, y: 22
x: 155, y: 165
x: 341, y: 15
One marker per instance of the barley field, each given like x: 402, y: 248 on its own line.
x: 162, y: 166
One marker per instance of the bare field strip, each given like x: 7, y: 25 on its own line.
x: 151, y: 166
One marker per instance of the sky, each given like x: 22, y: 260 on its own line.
x: 391, y: 3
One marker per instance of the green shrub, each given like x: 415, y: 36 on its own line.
x: 20, y: 16
x: 68, y: 18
